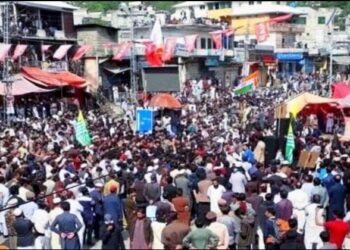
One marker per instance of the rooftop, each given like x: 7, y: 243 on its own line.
x: 54, y: 5
x: 188, y: 4
x: 246, y: 10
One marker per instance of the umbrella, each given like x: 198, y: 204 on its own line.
x: 165, y: 101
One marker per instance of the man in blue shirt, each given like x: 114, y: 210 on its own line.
x: 271, y: 238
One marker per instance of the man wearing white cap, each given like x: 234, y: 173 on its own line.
x: 57, y: 210
x: 24, y: 230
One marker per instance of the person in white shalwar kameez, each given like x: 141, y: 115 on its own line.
x: 76, y: 208
x: 312, y: 230
x: 214, y: 193
x: 300, y: 200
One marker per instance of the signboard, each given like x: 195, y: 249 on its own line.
x: 308, y: 159
x: 289, y: 56
x: 144, y: 121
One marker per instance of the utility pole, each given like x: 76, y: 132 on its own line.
x: 7, y: 78
x: 133, y: 80
x: 330, y: 24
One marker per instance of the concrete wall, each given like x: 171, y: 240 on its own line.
x: 97, y: 37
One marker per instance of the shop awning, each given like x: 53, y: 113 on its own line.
x: 59, y: 79
x: 117, y: 70
x: 21, y: 86
x: 342, y: 60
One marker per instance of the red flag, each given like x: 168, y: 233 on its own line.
x: 153, y: 55
x: 4, y: 50
x: 19, y: 50
x: 61, y: 51
x: 81, y: 52
x: 280, y: 19
x: 190, y: 42
x: 45, y: 48
x: 121, y: 50
x: 169, y: 49
x: 262, y: 32
x: 217, y: 38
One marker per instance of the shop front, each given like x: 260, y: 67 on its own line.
x: 290, y: 63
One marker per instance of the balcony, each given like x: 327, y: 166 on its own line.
x: 287, y: 28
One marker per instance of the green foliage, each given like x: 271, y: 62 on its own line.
x: 113, y: 5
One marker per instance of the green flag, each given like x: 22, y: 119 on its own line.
x: 290, y: 145
x: 81, y: 131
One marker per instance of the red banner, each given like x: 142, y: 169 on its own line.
x: 45, y: 48
x: 4, y: 50
x: 280, y: 19
x: 81, y: 52
x: 169, y: 49
x: 217, y: 38
x: 121, y: 51
x: 61, y: 51
x: 190, y: 42
x: 261, y: 32
x: 19, y: 50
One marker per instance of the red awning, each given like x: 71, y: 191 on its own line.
x: 21, y: 86
x: 59, y: 79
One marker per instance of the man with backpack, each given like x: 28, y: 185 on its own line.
x: 292, y: 239
x: 270, y: 230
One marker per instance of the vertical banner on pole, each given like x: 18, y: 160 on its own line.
x: 144, y: 121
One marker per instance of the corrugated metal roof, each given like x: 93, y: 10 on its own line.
x: 48, y: 4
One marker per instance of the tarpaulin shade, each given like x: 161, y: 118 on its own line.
x: 340, y: 90
x: 164, y: 101
x: 298, y: 103
x: 59, y: 79
x: 341, y: 60
x: 21, y: 86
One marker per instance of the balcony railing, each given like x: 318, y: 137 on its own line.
x: 287, y: 28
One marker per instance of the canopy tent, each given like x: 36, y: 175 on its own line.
x: 340, y: 90
x: 59, y: 79
x: 21, y: 86
x: 164, y: 101
x: 297, y: 104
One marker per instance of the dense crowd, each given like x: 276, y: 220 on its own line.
x: 202, y: 180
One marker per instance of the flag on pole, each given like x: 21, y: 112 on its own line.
x: 81, y: 131
x: 19, y: 50
x: 79, y: 53
x: 247, y: 84
x: 290, y: 145
x: 155, y: 50
x: 217, y: 38
x: 4, y: 50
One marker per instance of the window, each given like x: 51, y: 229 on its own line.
x: 258, y: 2
x: 203, y: 43
x: 278, y: 2
x: 202, y: 7
x: 300, y: 20
x: 210, y: 6
x: 216, y: 6
x: 210, y: 43
x: 251, y: 2
x: 321, y: 20
x: 225, y: 5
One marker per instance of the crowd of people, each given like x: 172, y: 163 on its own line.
x: 201, y: 180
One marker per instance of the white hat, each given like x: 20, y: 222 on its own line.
x: 56, y: 200
x: 17, y: 212
x: 12, y: 202
x: 84, y: 165
x: 99, y: 185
